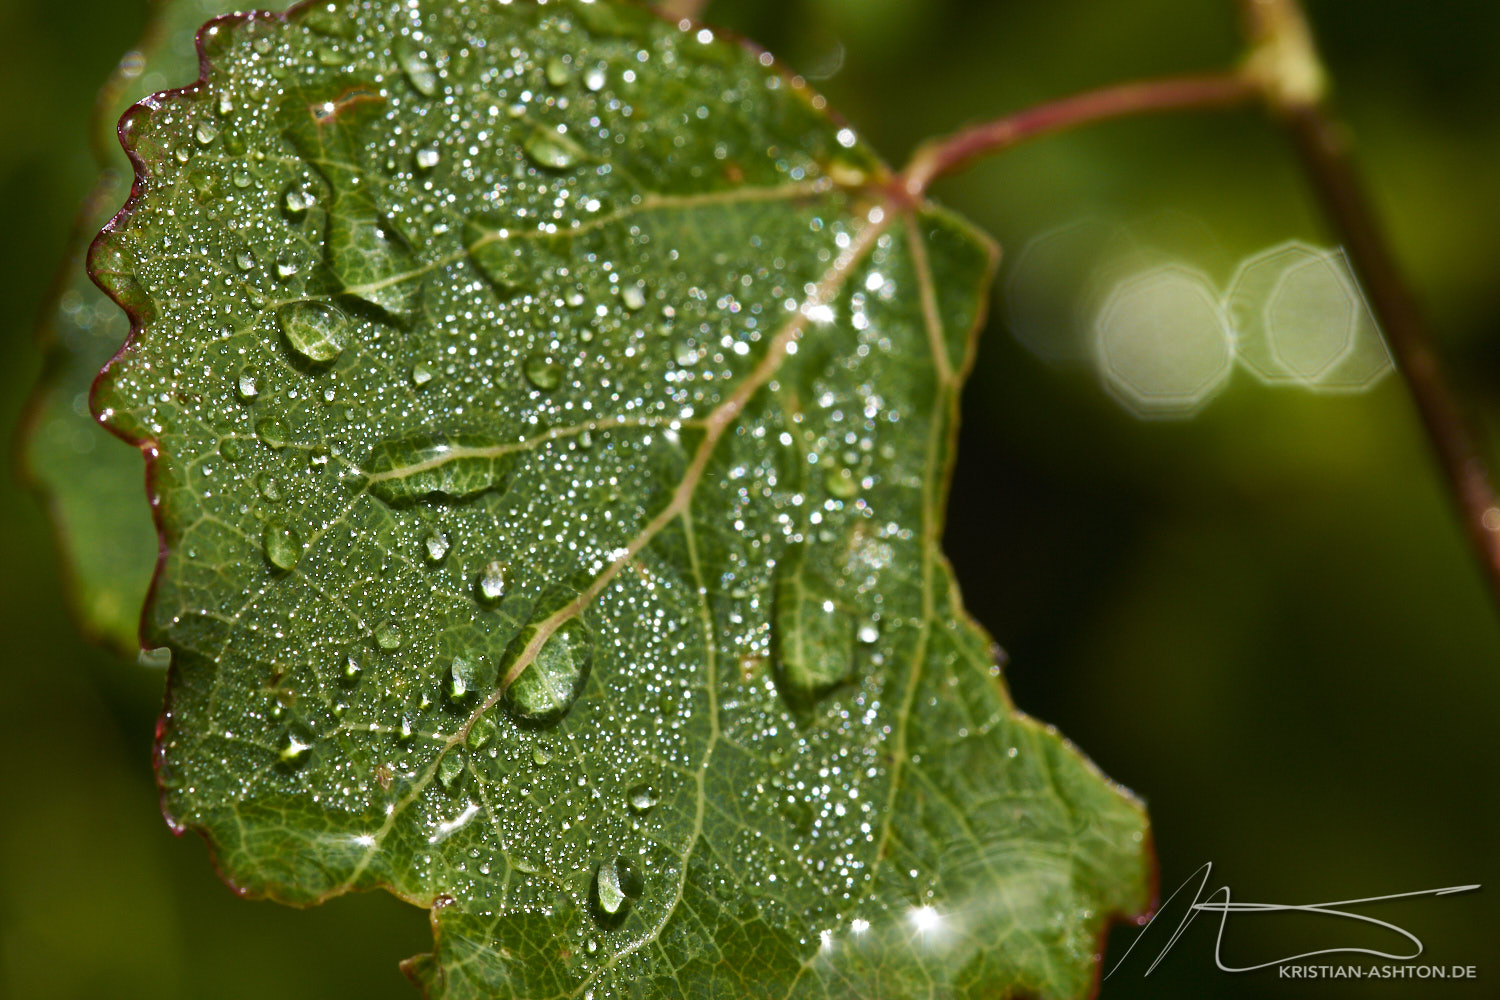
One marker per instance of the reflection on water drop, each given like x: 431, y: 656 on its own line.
x: 421, y: 374
x: 550, y: 683
x: 247, y: 386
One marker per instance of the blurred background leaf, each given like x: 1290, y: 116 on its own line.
x: 1262, y: 619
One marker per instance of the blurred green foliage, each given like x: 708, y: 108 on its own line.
x: 1263, y: 620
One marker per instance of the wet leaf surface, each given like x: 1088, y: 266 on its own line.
x: 554, y: 420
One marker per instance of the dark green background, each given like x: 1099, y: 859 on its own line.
x: 1263, y: 620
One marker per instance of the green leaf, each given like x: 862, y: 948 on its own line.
x: 555, y: 413
x: 91, y: 481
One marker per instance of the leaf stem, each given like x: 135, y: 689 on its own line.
x: 691, y: 10
x: 1197, y: 92
x: 1284, y: 58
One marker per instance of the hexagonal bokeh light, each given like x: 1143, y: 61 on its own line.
x: 1163, y: 344
x: 1299, y: 317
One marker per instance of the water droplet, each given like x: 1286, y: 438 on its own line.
x: 297, y: 201
x: 543, y: 372
x: 354, y: 665
x: 315, y: 330
x: 244, y: 260
x: 491, y: 582
x: 205, y: 133
x: 552, y: 150
x: 418, y: 70
x: 540, y: 755
x: 812, y: 633
x: 242, y: 179
x: 389, y: 636
x: 841, y: 483
x: 558, y: 71
x: 247, y: 386
x: 641, y: 798
x: 410, y: 469
x: 295, y: 748
x: 869, y: 632
x: 548, y: 685
x: 421, y: 374
x: 231, y: 449
x: 436, y: 544
x: 463, y: 675
x: 481, y: 732
x: 427, y: 158
x: 594, y: 78
x: 286, y: 269
x: 282, y: 546
x: 451, y: 767
x: 268, y: 486
x: 633, y: 296
x: 617, y: 884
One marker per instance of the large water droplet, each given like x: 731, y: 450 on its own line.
x: 426, y: 465
x: 543, y: 373
x: 436, y: 544
x: 296, y: 748
x: 552, y: 150
x: 812, y: 632
x: 282, y: 546
x: 418, y: 70
x: 841, y: 483
x: 315, y: 330
x: 548, y: 685
x: 633, y: 296
x: 388, y: 636
x: 451, y: 767
x: 463, y: 676
x: 617, y: 884
x: 491, y: 582
x: 558, y: 71
x: 641, y: 798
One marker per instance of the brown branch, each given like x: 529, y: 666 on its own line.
x: 1181, y: 93
x: 1284, y: 57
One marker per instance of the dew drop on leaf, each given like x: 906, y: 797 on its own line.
x: 491, y: 582
x: 642, y: 798
x: 317, y: 331
x: 296, y: 747
x: 419, y: 72
x: 550, y: 683
x: 388, y: 636
x: 617, y: 884
x: 552, y: 150
x: 543, y: 373
x: 436, y: 545
x: 281, y: 545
